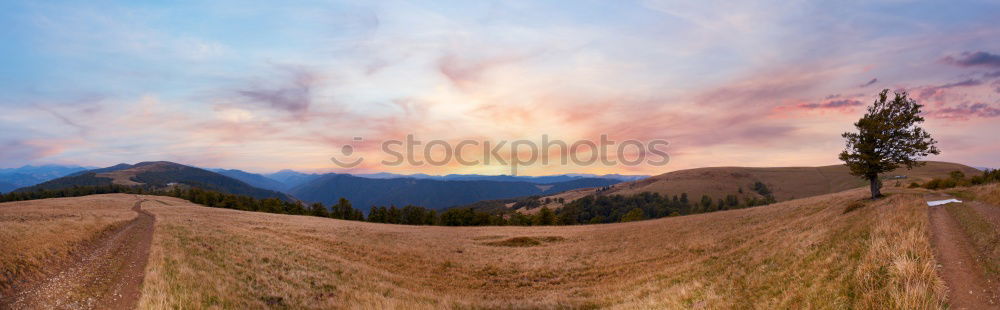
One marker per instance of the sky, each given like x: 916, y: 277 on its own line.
x: 271, y: 85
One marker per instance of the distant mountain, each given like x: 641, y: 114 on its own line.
x: 291, y: 178
x: 615, y: 176
x: 389, y: 175
x: 158, y: 174
x: 31, y: 175
x: 7, y: 187
x: 508, y: 178
x: 504, y: 178
x: 253, y: 179
x: 436, y: 194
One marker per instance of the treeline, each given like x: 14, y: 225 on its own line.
x: 411, y: 215
x: 618, y: 208
x: 342, y: 210
x: 75, y: 191
x: 586, y: 210
x: 957, y: 178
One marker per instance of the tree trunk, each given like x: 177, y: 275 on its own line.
x: 876, y: 187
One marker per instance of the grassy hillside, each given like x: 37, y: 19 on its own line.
x: 785, y: 182
x: 796, y: 254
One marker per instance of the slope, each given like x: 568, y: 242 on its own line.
x: 785, y: 183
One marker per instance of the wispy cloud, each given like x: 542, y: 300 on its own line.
x: 933, y: 91
x: 293, y: 94
x: 832, y: 104
x: 965, y: 111
x: 974, y: 59
x: 869, y: 83
x: 200, y: 83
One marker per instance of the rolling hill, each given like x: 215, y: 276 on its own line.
x: 785, y: 183
x: 158, y: 174
x: 437, y: 194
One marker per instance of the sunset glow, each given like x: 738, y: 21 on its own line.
x: 248, y: 86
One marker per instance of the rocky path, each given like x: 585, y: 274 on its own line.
x: 108, y: 276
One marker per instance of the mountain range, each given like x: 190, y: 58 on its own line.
x: 430, y: 193
x: 14, y: 178
x: 505, y: 178
x: 157, y: 174
x: 362, y: 190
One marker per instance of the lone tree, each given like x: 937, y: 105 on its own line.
x: 888, y: 137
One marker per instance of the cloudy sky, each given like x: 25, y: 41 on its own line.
x: 271, y: 85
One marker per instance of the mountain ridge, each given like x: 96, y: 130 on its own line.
x: 158, y: 174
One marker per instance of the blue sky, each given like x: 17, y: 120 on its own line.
x: 263, y: 86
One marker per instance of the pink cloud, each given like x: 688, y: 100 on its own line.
x: 965, y: 111
x: 463, y: 72
x: 832, y: 104
x: 293, y: 94
x: 28, y: 150
x: 928, y: 92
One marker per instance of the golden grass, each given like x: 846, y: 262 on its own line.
x: 786, y: 182
x: 986, y: 193
x: 39, y: 233
x: 799, y: 254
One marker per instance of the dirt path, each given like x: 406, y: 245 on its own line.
x: 108, y: 276
x: 967, y: 284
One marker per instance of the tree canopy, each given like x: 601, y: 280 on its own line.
x: 888, y: 138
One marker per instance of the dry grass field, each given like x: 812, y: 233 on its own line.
x: 805, y: 253
x: 38, y: 234
x: 985, y: 193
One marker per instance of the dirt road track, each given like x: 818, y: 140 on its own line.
x: 107, y: 276
x: 968, y: 286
